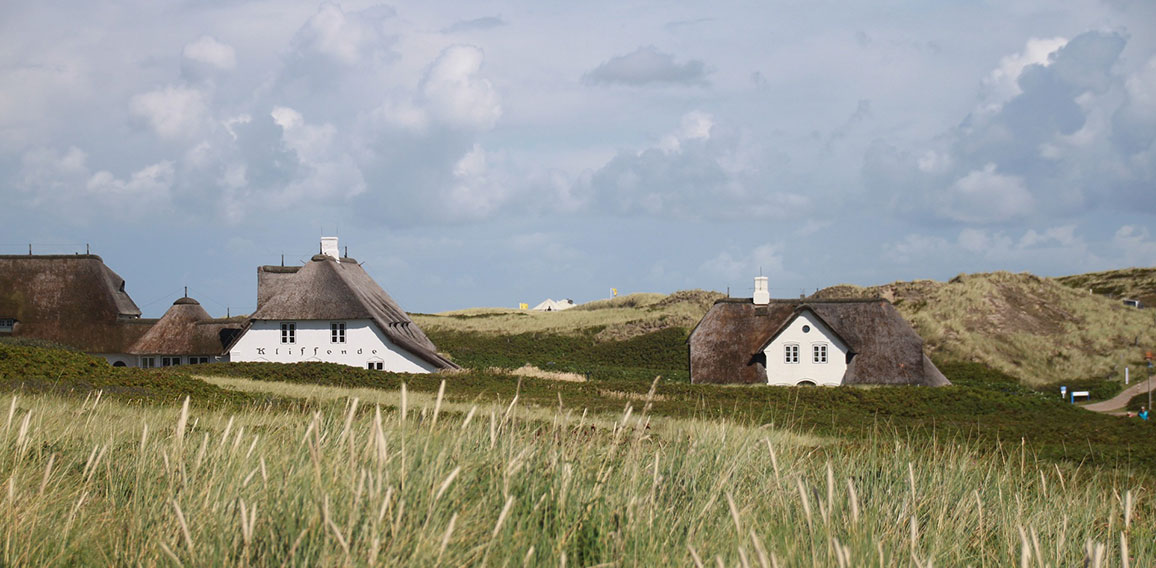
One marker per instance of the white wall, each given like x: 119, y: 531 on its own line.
x: 112, y: 358
x: 779, y: 372
x: 364, y: 342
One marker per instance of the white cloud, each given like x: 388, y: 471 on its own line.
x: 172, y: 112
x: 209, y: 51
x: 986, y: 196
x: 456, y: 93
x: 1002, y: 84
x: 152, y: 182
x: 696, y: 125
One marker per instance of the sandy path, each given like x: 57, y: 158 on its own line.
x: 1117, y: 402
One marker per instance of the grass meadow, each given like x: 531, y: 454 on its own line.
x: 397, y: 479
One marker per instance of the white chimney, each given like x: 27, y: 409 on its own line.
x: 329, y: 247
x: 762, y: 293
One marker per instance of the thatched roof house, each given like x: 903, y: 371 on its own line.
x: 337, y: 296
x: 188, y: 331
x: 74, y: 300
x: 789, y: 342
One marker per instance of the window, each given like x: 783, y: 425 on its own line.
x: 375, y: 366
x: 170, y: 361
x: 337, y: 332
x: 288, y: 332
x: 819, y: 353
x: 198, y: 360
x: 148, y: 362
x: 791, y: 353
x: 7, y: 324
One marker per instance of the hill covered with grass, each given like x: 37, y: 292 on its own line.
x: 1037, y: 329
x: 1134, y: 283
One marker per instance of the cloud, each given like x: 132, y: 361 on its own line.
x: 1058, y: 131
x: 208, y: 51
x: 700, y: 170
x: 647, y: 66
x: 455, y: 91
x: 1136, y: 245
x: 344, y: 38
x: 985, y: 196
x: 63, y: 183
x: 476, y: 24
x: 172, y: 112
x: 1052, y: 246
x: 766, y: 258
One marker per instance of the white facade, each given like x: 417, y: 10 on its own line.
x: 807, y: 351
x: 312, y: 340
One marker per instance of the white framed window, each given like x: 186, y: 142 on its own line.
x: 819, y: 353
x: 148, y: 362
x: 288, y: 332
x: 375, y: 366
x: 337, y: 332
x: 170, y: 361
x: 7, y: 324
x: 791, y: 353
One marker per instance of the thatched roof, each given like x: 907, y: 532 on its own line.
x: 71, y: 299
x: 886, y: 349
x: 327, y: 289
x: 187, y: 329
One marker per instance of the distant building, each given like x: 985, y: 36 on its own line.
x: 1133, y: 303
x: 73, y: 300
x: 549, y: 305
x: 186, y: 335
x: 803, y: 342
x: 331, y: 310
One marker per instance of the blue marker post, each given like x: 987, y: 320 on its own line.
x: 1064, y: 393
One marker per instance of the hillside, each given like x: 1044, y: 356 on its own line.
x: 1037, y: 329
x: 1134, y: 283
x: 614, y: 319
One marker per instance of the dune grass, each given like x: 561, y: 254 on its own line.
x: 102, y: 482
x: 1033, y: 328
x: 612, y: 319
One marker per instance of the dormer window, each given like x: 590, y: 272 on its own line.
x: 7, y: 324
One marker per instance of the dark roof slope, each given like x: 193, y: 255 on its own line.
x: 886, y: 349
x: 71, y: 299
x: 325, y: 289
x: 187, y: 329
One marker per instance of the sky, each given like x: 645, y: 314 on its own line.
x: 488, y: 153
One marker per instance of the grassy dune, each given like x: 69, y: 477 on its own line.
x: 1135, y: 283
x: 1033, y: 328
x: 614, y: 319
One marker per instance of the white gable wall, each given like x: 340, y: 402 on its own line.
x: 364, y: 342
x: 780, y: 372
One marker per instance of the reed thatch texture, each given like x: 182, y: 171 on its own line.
x: 74, y: 300
x: 884, y: 347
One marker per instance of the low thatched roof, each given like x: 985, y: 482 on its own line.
x: 328, y: 289
x: 74, y: 300
x: 187, y: 329
x: 886, y: 349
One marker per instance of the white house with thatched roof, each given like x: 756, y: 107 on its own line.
x: 331, y: 310
x: 808, y: 341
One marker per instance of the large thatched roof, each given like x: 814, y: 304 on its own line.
x: 886, y: 349
x: 328, y: 289
x: 187, y: 329
x: 71, y: 299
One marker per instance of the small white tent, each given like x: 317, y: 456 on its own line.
x: 549, y: 305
